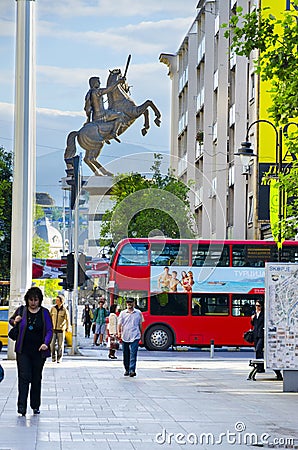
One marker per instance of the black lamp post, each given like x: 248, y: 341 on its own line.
x: 246, y: 153
x: 107, y: 251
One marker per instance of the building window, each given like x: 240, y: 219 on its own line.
x: 252, y: 87
x: 231, y: 206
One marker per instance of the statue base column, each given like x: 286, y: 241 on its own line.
x: 99, y: 188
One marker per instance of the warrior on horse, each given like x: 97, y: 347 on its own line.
x: 105, y: 124
x: 94, y: 106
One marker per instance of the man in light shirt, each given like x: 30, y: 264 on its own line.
x: 129, y: 331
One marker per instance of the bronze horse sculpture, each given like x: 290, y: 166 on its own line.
x: 93, y: 135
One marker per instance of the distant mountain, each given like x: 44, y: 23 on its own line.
x: 117, y: 158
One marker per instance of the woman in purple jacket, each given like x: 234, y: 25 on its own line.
x: 32, y: 348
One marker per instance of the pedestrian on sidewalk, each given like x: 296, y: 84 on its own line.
x: 99, y: 318
x: 130, y: 331
x: 257, y: 321
x: 87, y: 317
x: 112, y: 332
x: 61, y: 323
x: 32, y: 348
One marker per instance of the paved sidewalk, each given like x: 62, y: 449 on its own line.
x: 87, y: 404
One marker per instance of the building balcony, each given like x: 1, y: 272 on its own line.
x: 199, y: 149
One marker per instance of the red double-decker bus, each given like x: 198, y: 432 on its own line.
x: 193, y: 291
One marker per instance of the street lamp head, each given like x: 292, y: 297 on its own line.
x: 245, y: 153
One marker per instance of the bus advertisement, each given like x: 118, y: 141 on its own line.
x: 192, y: 292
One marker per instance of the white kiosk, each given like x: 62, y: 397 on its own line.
x: 281, y: 321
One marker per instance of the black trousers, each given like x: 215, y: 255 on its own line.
x: 29, y: 374
x: 87, y: 329
x: 259, y: 346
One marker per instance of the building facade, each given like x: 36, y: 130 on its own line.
x: 215, y: 96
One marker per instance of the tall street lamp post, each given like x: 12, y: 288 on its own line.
x: 246, y: 153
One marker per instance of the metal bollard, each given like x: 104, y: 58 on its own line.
x: 211, y: 348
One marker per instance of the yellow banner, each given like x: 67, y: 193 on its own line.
x: 275, y: 210
x: 267, y: 136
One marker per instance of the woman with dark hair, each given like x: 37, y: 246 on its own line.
x: 257, y: 321
x: 87, y: 316
x: 32, y: 348
x: 112, y: 331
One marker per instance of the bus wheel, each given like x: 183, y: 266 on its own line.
x: 158, y: 337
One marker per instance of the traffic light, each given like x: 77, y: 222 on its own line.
x: 72, y: 172
x: 84, y: 265
x: 63, y: 269
x: 67, y: 270
x: 70, y: 270
x: 63, y: 277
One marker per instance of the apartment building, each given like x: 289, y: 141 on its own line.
x: 214, y: 99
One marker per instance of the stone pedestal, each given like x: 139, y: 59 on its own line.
x: 98, y: 188
x: 290, y: 383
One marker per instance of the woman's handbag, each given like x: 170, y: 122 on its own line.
x: 1, y: 373
x: 14, y: 331
x: 248, y: 336
x: 114, y: 345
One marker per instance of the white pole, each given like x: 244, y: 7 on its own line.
x: 24, y: 158
x: 74, y: 348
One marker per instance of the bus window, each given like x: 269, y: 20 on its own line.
x: 289, y: 254
x: 166, y: 304
x: 133, y: 255
x: 245, y: 255
x: 210, y: 305
x: 167, y: 254
x: 243, y: 305
x: 140, y: 298
x: 210, y: 255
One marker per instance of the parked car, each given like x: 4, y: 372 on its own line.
x: 3, y: 326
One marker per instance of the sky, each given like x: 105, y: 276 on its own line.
x: 77, y: 39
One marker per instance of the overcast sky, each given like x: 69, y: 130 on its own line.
x: 77, y: 39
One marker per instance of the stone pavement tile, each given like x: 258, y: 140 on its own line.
x: 155, y: 446
x: 122, y: 446
x: 46, y: 445
x: 88, y: 404
x: 20, y: 440
x: 102, y: 445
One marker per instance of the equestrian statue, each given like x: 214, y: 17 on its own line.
x: 103, y: 125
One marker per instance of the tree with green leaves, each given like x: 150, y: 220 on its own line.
x: 275, y: 40
x: 148, y: 206
x: 5, y: 211
x: 40, y: 248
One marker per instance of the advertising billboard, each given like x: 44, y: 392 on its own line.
x: 281, y: 316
